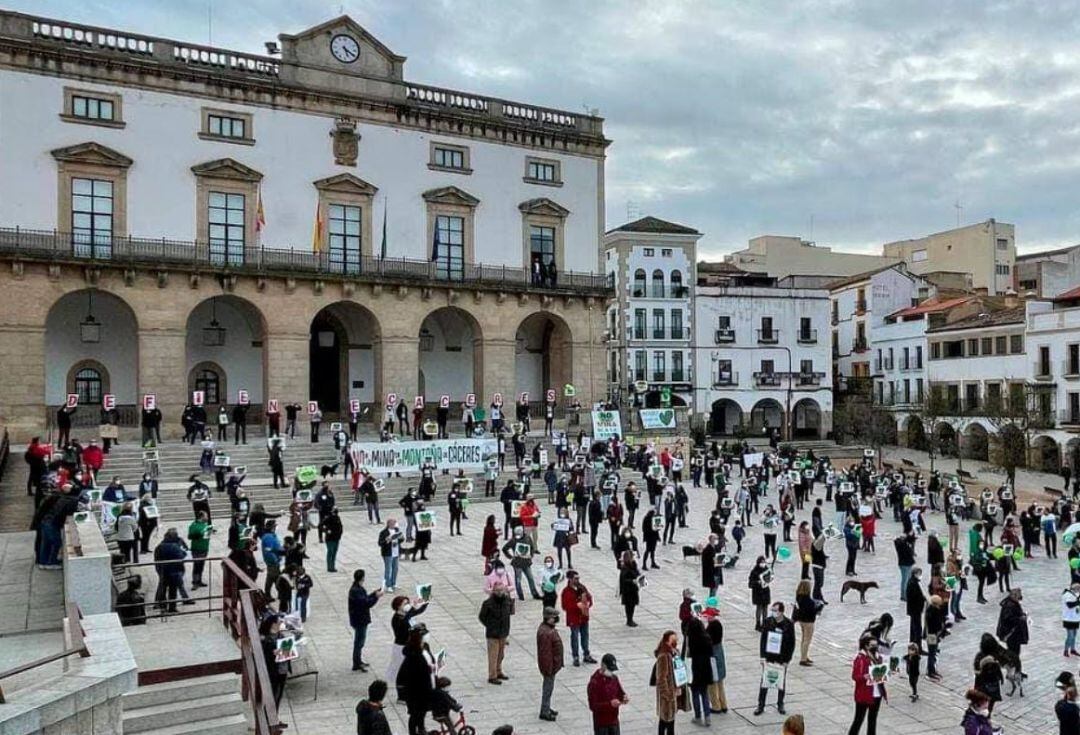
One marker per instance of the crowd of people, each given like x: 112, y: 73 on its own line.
x: 644, y: 494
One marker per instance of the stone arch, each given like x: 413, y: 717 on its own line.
x: 806, y: 416
x: 1045, y: 454
x: 227, y: 334
x: 109, y: 343
x: 543, y: 355
x: 210, y: 377
x: 345, y: 357
x: 976, y: 442
x: 451, y: 359
x: 652, y: 399
x: 766, y: 414
x: 945, y: 435
x: 725, y: 417
x: 914, y: 433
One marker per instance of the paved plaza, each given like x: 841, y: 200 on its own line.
x: 822, y: 693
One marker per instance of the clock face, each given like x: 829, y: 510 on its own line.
x: 345, y: 48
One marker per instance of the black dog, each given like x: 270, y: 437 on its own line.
x: 330, y: 470
x: 860, y: 587
x: 690, y: 551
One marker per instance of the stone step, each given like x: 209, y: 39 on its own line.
x: 179, y: 691
x: 228, y: 725
x: 159, y: 718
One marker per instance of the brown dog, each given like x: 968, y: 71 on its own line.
x: 860, y: 587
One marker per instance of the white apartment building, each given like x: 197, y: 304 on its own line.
x: 762, y: 353
x: 1053, y: 348
x: 652, y: 265
x: 859, y: 305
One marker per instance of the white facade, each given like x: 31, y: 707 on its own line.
x: 291, y: 150
x: 860, y: 305
x: 760, y: 351
x: 1053, y: 348
x: 651, y: 322
x: 899, y: 352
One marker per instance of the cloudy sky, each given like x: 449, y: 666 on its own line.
x: 851, y: 123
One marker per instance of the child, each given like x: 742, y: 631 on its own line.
x: 738, y: 533
x: 442, y: 702
x: 911, y: 660
x: 302, y: 582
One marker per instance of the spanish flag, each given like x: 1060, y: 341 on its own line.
x: 317, y: 233
x: 260, y: 215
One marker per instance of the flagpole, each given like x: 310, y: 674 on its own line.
x: 386, y: 207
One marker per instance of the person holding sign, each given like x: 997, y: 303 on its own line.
x: 776, y: 647
x: 520, y: 549
x: 869, y: 672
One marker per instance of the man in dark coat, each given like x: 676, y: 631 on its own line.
x: 776, y: 646
x: 549, y: 659
x: 712, y: 573
x: 495, y: 615
x: 1012, y: 626
x: 916, y: 605
x: 370, y: 718
x: 360, y: 604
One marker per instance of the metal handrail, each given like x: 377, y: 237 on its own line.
x: 55, y: 246
x: 76, y: 645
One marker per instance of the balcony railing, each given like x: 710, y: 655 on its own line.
x: 809, y: 379
x: 678, y: 333
x: 768, y: 336
x: 767, y: 379
x: 721, y: 380
x: 835, y: 319
x: 724, y: 336
x: 887, y: 363
x: 639, y: 334
x: 658, y: 376
x: 859, y: 345
x: 678, y: 376
x: 860, y: 306
x: 1069, y: 417
x: 807, y: 336
x: 657, y: 333
x: 1042, y: 371
x: 126, y: 252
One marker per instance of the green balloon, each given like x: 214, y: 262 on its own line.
x: 712, y: 602
x: 1068, y: 539
x: 1074, y: 563
x: 783, y: 553
x: 1018, y: 555
x: 998, y: 553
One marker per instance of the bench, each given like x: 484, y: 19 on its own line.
x: 305, y: 665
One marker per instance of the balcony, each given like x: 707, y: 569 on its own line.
x: 888, y: 363
x: 764, y: 380
x: 724, y: 336
x: 836, y: 352
x: 809, y: 380
x: 859, y: 345
x: 725, y: 380
x: 835, y: 319
x: 1070, y: 369
x: 768, y: 336
x: 658, y: 376
x: 860, y: 306
x: 131, y: 252
x: 1069, y: 417
x: 678, y: 376
x: 807, y: 336
x: 678, y: 333
x: 1042, y: 371
x: 657, y: 333
x: 639, y: 333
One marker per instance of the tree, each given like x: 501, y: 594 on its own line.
x: 857, y: 420
x: 1027, y: 410
x: 934, y: 412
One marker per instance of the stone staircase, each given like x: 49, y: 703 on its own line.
x: 208, y: 705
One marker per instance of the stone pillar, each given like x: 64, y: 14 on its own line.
x: 589, y: 374
x: 22, y: 380
x: 163, y: 372
x: 500, y: 373
x: 400, y: 367
x: 287, y: 365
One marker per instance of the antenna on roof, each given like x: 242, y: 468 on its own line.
x: 632, y: 210
x: 590, y: 111
x: 209, y: 22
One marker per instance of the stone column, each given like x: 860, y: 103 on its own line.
x: 400, y: 357
x: 22, y: 380
x: 163, y: 372
x: 287, y: 365
x: 500, y: 374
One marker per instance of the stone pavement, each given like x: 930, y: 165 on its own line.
x: 821, y: 693
x: 31, y: 599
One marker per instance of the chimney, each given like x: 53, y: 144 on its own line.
x: 1011, y: 299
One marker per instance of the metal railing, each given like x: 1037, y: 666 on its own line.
x: 76, y: 646
x: 194, y: 604
x: 770, y: 379
x: 723, y: 336
x: 859, y: 345
x: 768, y: 336
x: 150, y: 253
x: 725, y: 379
x: 807, y: 336
x: 809, y: 379
x: 90, y: 416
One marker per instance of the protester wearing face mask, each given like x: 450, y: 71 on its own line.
x: 776, y: 647
x: 520, y: 549
x: 549, y: 659
x: 549, y: 582
x: 401, y: 624
x: 624, y: 542
x: 976, y: 719
x: 495, y: 615
x: 606, y: 696
x: 868, y: 693
x: 760, y: 593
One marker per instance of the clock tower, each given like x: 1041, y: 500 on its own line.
x: 340, y: 55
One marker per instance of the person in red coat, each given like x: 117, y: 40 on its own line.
x: 93, y: 458
x: 489, y: 546
x: 868, y: 694
x: 606, y: 696
x: 576, y: 603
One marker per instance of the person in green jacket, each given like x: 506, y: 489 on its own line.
x: 974, y: 535
x: 199, y: 541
